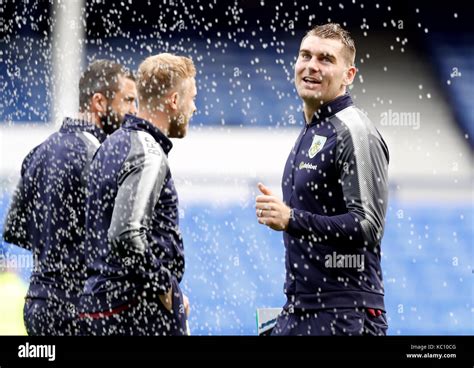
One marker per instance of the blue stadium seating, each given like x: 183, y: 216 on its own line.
x: 452, y: 56
x: 236, y: 86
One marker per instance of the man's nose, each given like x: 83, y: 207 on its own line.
x: 133, y: 109
x: 313, y: 65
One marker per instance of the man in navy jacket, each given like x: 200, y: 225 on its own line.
x: 47, y: 213
x: 335, y: 191
x: 134, y: 248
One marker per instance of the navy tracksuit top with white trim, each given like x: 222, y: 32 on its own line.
x: 133, y: 244
x: 47, y: 213
x: 336, y: 182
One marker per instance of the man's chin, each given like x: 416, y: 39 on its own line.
x: 313, y: 99
x: 183, y: 133
x: 179, y: 133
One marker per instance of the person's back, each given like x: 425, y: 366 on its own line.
x: 134, y: 250
x: 109, y: 282
x: 47, y: 214
x: 48, y: 217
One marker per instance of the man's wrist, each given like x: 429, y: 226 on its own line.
x: 292, y: 215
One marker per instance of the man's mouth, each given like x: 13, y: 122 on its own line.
x: 312, y: 80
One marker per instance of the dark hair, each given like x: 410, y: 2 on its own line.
x: 336, y: 32
x: 101, y: 76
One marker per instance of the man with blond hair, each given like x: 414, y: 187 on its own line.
x: 134, y: 249
x: 335, y: 189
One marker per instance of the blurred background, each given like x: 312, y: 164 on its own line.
x: 415, y: 81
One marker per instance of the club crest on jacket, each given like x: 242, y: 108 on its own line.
x: 317, y: 145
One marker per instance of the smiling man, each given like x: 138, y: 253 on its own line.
x: 335, y: 191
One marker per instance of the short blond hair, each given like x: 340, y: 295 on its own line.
x: 160, y: 73
x: 334, y: 31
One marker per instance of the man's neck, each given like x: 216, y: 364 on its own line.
x: 91, y: 118
x: 158, y: 118
x: 309, y: 113
x: 311, y: 108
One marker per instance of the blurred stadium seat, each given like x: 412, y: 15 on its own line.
x: 452, y: 56
x: 235, y: 266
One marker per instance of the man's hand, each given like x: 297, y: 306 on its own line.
x: 271, y: 211
x: 167, y: 299
x: 186, y: 305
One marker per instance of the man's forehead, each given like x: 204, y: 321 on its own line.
x: 186, y: 84
x: 124, y: 80
x: 192, y: 83
x: 317, y: 45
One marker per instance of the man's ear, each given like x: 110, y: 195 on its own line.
x: 349, y: 75
x: 173, y: 100
x: 98, y: 103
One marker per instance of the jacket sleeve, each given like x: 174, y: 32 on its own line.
x: 139, y: 185
x: 362, y: 165
x: 15, y: 229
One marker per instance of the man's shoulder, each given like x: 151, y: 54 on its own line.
x: 136, y: 147
x: 119, y: 141
x: 353, y: 120
x: 355, y: 129
x: 73, y: 140
x: 55, y: 144
x: 145, y: 144
x: 58, y: 151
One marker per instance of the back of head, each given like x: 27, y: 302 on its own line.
x: 101, y: 76
x: 160, y: 74
x: 334, y: 31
